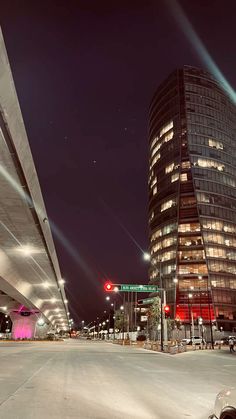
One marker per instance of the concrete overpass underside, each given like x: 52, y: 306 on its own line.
x: 30, y: 278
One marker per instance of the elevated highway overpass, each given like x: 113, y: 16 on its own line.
x: 31, y: 286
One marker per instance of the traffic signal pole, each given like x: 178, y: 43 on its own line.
x: 164, y: 319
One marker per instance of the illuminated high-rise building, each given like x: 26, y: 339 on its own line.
x: 192, y: 197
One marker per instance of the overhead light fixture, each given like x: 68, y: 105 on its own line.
x: 57, y: 309
x: 27, y: 250
x: 61, y: 281
x: 53, y: 300
x: 40, y: 321
x: 45, y: 284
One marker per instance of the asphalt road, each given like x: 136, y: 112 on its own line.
x: 96, y: 380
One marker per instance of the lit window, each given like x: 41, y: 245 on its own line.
x: 185, y: 164
x: 151, y: 217
x: 153, y: 182
x: 169, y: 168
x: 155, y: 149
x: 168, y: 136
x: 167, y: 204
x: 154, y: 141
x: 174, y: 177
x: 183, y: 177
x: 154, y: 190
x: 215, y: 144
x: 211, y: 164
x: 188, y: 227
x: 156, y: 158
x: 166, y: 128
x: 216, y: 252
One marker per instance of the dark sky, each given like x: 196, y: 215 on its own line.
x: 85, y: 72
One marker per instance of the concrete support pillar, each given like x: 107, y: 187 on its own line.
x: 23, y: 327
x: 41, y: 331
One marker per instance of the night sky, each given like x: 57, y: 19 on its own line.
x: 85, y: 72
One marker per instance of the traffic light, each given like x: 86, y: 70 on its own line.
x: 167, y: 311
x: 108, y: 286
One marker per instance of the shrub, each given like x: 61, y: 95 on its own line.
x: 141, y: 338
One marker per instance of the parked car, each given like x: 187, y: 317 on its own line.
x: 225, y: 340
x: 225, y: 405
x: 195, y: 340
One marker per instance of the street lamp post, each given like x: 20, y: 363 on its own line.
x: 191, y: 320
x: 123, y: 322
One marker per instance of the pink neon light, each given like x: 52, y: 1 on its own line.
x: 24, y: 331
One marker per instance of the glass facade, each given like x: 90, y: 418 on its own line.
x: 192, y: 197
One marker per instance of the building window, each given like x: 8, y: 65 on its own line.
x: 174, y: 177
x: 185, y: 228
x: 190, y: 241
x: 156, y: 158
x: 168, y: 136
x: 183, y: 177
x: 154, y: 181
x: 154, y: 141
x: 154, y: 190
x: 169, y: 168
x: 188, y: 201
x: 215, y: 144
x: 193, y: 269
x: 210, y: 164
x: 155, y: 149
x: 167, y: 204
x: 186, y: 165
x: 166, y: 128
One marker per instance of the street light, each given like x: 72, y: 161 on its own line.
x: 190, y: 296
x: 62, y: 281
x: 146, y: 256
x: 108, y: 298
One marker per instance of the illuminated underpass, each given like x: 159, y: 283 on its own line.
x: 31, y: 287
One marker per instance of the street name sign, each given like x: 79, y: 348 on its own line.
x: 146, y: 301
x: 138, y: 288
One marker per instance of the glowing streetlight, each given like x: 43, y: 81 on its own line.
x: 146, y: 256
x: 61, y: 281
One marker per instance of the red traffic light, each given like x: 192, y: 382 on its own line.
x: 167, y: 311
x: 108, y: 286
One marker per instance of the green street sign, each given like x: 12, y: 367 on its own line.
x: 148, y: 301
x: 138, y: 288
